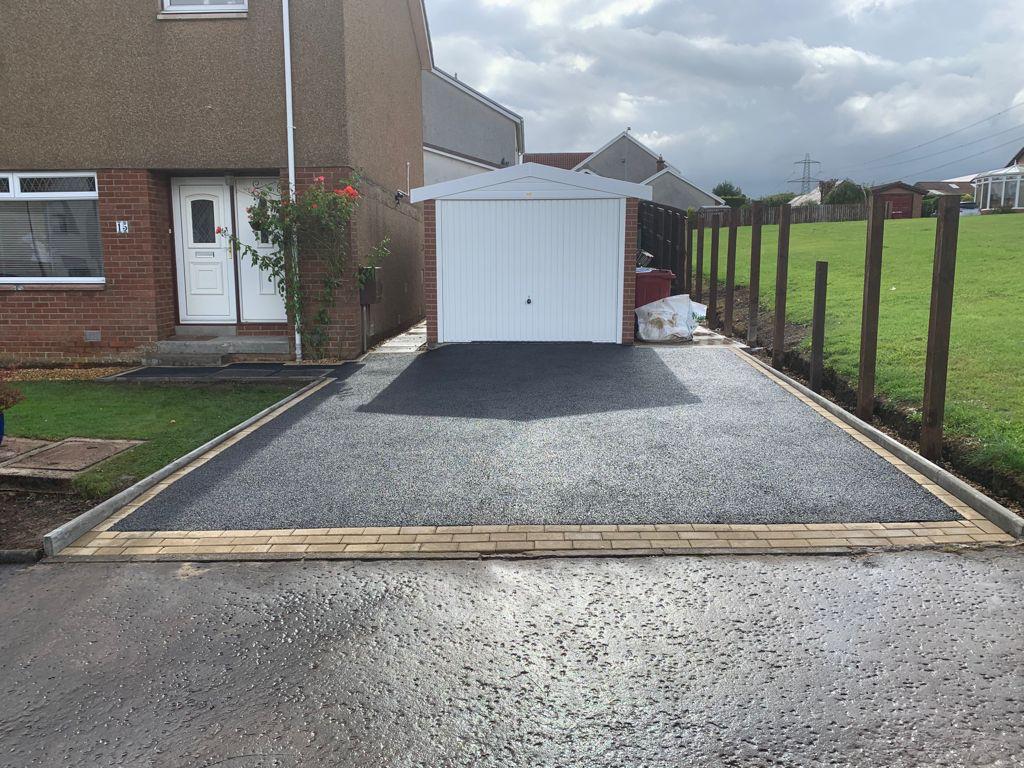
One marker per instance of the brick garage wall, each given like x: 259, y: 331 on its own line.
x: 430, y: 269
x: 135, y: 308
x: 629, y: 272
x: 378, y: 216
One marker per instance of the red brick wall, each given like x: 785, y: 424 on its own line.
x: 629, y: 273
x: 133, y: 309
x: 430, y: 270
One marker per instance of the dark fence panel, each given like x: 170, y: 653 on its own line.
x: 663, y: 235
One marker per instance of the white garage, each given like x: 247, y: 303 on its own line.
x: 530, y: 253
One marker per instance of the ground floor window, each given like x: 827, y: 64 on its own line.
x: 49, y: 228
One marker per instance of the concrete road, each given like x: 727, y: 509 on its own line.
x: 900, y: 659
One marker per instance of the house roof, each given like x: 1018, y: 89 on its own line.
x: 900, y: 185
x: 947, y: 187
x: 668, y: 169
x: 1017, y: 159
x: 566, y: 160
x: 629, y: 136
x: 1009, y: 170
x: 582, y: 184
x: 807, y: 198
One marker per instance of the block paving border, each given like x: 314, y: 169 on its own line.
x: 545, y: 540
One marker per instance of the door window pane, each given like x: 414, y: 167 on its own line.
x: 203, y: 225
x: 50, y: 238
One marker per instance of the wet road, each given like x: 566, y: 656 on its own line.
x: 902, y: 659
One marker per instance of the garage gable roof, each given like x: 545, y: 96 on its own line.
x: 530, y: 181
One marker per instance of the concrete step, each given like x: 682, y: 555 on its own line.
x: 219, y: 350
x: 205, y: 330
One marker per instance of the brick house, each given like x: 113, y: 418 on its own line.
x: 126, y: 151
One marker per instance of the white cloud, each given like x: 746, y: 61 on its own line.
x: 738, y: 90
x: 856, y: 9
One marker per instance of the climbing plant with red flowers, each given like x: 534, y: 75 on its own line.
x: 315, y: 224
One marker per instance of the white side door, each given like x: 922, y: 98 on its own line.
x: 530, y: 270
x: 206, y: 272
x: 261, y: 302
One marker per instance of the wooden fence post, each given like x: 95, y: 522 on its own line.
x: 716, y: 222
x: 730, y: 273
x: 698, y: 271
x: 781, y: 285
x: 936, y: 362
x: 818, y: 325
x: 869, y: 307
x: 755, y: 272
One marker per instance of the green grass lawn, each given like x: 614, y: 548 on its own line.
x: 985, y: 396
x: 172, y: 419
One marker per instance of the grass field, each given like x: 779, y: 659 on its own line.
x: 985, y: 402
x: 172, y: 419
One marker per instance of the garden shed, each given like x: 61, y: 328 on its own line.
x: 530, y: 253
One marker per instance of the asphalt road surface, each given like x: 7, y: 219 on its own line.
x: 543, y: 433
x: 899, y: 659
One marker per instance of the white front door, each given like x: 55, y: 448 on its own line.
x: 261, y: 302
x: 206, y: 273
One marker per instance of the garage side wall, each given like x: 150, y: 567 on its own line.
x: 430, y: 268
x: 629, y: 271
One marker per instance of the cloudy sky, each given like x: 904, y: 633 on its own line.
x: 741, y: 90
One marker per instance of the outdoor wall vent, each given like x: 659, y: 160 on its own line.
x: 92, y: 335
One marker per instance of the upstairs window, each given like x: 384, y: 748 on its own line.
x: 206, y: 6
x: 50, y: 228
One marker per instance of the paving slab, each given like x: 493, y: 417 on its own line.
x: 13, y: 447
x: 543, y: 434
x: 73, y: 454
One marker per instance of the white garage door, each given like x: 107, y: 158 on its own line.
x: 530, y: 270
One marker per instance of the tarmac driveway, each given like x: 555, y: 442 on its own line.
x: 542, y: 433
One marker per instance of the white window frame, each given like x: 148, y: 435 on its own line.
x: 19, y: 195
x: 201, y: 8
x: 16, y: 194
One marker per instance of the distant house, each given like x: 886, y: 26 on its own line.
x: 902, y: 200
x: 464, y: 131
x: 628, y: 159
x: 564, y: 160
x: 948, y: 187
x: 1017, y: 159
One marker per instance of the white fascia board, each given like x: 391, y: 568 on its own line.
x: 480, y: 183
x: 678, y: 175
x: 629, y: 136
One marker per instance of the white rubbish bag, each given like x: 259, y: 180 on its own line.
x: 667, y: 319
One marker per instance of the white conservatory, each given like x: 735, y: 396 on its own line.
x: 999, y: 189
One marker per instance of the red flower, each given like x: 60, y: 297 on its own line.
x: 351, y: 191
x: 319, y: 178
x: 218, y: 230
x: 339, y: 192
x: 314, y: 206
